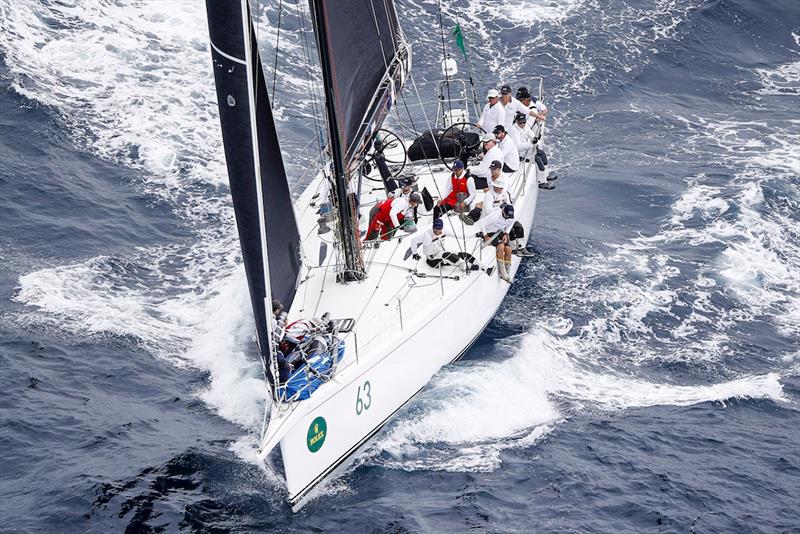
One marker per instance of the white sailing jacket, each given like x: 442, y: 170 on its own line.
x: 510, y: 152
x: 492, y: 201
x: 492, y: 116
x: 432, y: 244
x: 495, y: 222
x: 483, y: 170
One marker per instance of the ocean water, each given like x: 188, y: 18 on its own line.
x: 643, y: 374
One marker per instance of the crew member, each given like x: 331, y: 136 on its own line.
x: 511, y: 105
x: 481, y: 173
x: 493, y: 112
x: 492, y: 199
x: 458, y: 193
x: 521, y: 134
x: 406, y: 187
x: 539, y: 111
x: 278, y: 323
x: 432, y: 242
x: 536, y: 108
x: 495, y: 231
x: 405, y: 190
x: 508, y: 147
x: 386, y: 216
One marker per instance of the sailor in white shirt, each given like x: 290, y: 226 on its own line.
x: 522, y: 135
x: 509, y: 149
x: 406, y: 184
x: 493, y: 112
x: 432, y: 243
x: 511, y: 105
x: 495, y: 230
x: 539, y: 111
x: 536, y: 108
x: 386, y: 216
x: 488, y: 196
x: 481, y: 173
x: 497, y: 197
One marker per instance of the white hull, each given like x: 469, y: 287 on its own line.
x: 407, y: 328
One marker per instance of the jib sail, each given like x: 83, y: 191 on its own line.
x: 262, y: 202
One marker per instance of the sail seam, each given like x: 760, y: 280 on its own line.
x: 227, y: 56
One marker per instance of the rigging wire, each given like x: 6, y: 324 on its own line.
x: 315, y: 106
x: 444, y: 58
x: 461, y: 246
x: 277, y: 48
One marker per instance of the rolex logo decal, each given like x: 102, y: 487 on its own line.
x: 316, y: 434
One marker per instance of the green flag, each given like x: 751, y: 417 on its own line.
x: 460, y: 39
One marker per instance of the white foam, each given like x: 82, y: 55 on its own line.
x: 781, y: 80
x: 470, y: 414
x: 568, y: 373
x: 527, y: 13
x: 133, y: 84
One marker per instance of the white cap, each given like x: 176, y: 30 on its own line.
x: 499, y: 183
x: 488, y: 137
x: 492, y: 93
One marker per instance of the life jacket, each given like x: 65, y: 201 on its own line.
x: 382, y: 222
x: 384, y: 209
x: 459, y: 185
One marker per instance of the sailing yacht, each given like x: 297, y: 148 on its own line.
x: 390, y: 322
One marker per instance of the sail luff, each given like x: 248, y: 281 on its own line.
x: 267, y: 299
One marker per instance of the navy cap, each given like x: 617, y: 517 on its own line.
x: 438, y: 224
x: 506, y: 89
x: 520, y: 117
x: 523, y: 92
x: 458, y: 164
x: 499, y: 129
x: 496, y: 165
x: 508, y: 211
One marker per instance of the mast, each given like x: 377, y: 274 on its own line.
x: 347, y: 227
x: 365, y: 60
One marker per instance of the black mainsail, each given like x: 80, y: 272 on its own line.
x: 364, y: 61
x: 262, y: 201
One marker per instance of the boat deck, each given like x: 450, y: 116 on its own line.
x: 397, y: 292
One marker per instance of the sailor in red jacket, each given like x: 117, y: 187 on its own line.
x: 461, y: 183
x: 386, y: 216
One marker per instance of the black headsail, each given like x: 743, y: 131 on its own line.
x: 365, y: 60
x: 261, y: 198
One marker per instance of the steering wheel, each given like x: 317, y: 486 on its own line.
x: 461, y: 141
x: 385, y: 140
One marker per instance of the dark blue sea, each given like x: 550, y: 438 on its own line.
x: 643, y: 374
